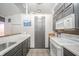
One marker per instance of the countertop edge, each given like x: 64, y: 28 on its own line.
x: 11, y: 47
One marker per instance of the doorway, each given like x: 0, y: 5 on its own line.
x: 39, y: 32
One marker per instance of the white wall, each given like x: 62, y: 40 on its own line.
x: 48, y: 27
x: 16, y: 24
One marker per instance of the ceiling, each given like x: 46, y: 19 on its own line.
x: 44, y: 8
x: 7, y: 9
x: 11, y: 8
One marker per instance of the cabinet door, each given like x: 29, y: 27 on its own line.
x: 14, y: 50
x: 67, y: 53
x: 29, y: 43
x: 18, y: 53
x: 69, y: 10
x: 59, y: 7
x: 25, y: 47
x: 60, y: 24
x: 59, y: 16
x: 58, y: 13
x: 69, y: 22
x: 67, y: 4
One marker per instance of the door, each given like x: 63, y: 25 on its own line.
x: 39, y: 32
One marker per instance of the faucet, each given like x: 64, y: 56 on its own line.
x: 59, y: 34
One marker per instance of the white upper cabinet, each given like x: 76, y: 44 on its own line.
x: 60, y: 24
x: 69, y: 22
x: 70, y: 16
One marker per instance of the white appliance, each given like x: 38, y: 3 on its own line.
x: 55, y: 49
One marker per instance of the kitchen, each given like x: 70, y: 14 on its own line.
x: 39, y: 29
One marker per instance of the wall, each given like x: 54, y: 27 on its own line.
x: 1, y: 28
x: 70, y: 36
x: 16, y: 24
x: 48, y: 27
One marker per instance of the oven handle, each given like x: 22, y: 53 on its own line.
x: 55, y: 44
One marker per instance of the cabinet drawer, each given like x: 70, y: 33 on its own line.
x: 68, y: 10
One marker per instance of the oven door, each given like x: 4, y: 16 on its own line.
x: 55, y: 49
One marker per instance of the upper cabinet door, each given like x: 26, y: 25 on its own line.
x: 69, y: 22
x: 67, y: 4
x: 60, y: 24
x: 68, y: 10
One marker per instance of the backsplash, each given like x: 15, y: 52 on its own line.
x: 70, y: 36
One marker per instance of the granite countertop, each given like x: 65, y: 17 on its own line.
x: 11, y: 41
x: 73, y: 48
x: 63, y: 41
x: 70, y: 45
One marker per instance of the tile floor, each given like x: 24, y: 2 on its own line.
x: 38, y: 52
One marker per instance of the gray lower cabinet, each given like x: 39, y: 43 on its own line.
x: 14, y: 50
x: 20, y: 50
x: 18, y: 53
x: 67, y: 53
x: 28, y: 43
x: 25, y: 47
